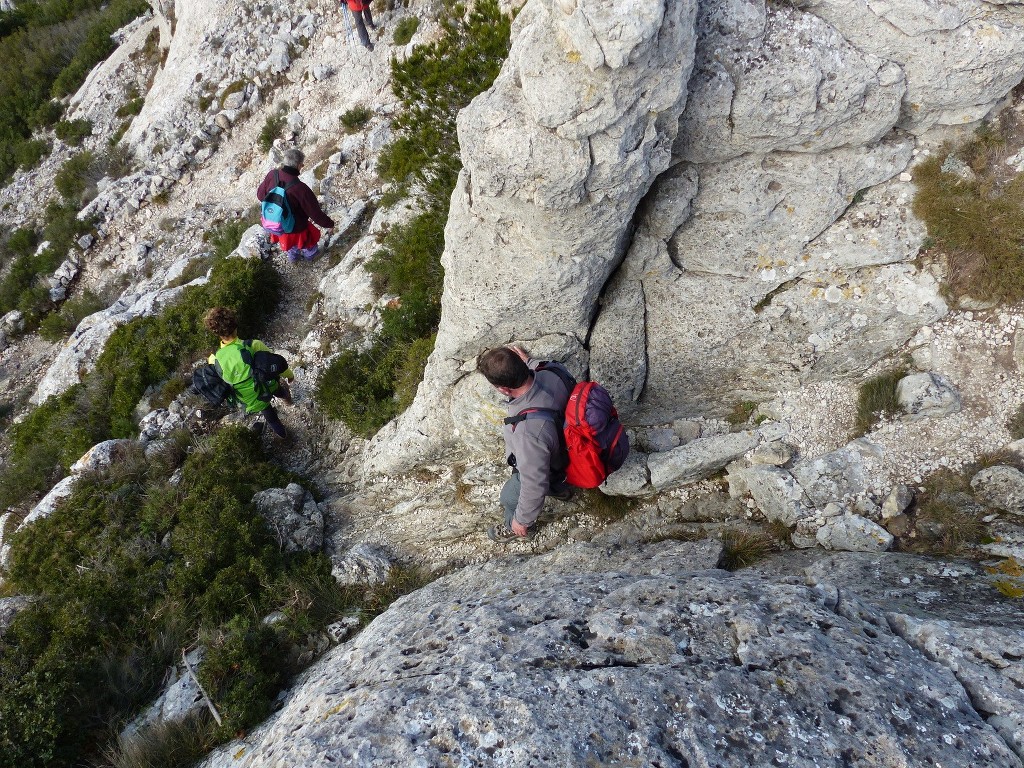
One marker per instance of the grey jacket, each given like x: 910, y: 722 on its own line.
x: 536, y: 442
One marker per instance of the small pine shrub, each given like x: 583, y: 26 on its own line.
x: 131, y: 107
x: 75, y: 176
x: 46, y: 114
x: 73, y: 132
x: 877, y: 397
x: 405, y: 29
x: 225, y: 237
x: 271, y: 131
x: 356, y: 118
x: 29, y: 153
x: 57, y: 325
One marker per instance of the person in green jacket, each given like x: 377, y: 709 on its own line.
x: 228, y: 361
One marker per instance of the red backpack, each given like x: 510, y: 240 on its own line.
x: 594, y: 438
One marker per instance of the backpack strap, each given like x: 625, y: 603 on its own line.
x: 533, y: 413
x: 567, y: 378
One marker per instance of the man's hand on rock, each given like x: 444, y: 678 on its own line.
x: 518, y: 528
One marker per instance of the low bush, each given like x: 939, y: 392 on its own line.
x: 356, y: 118
x: 57, y: 325
x: 22, y: 287
x: 405, y: 29
x: 1015, y: 424
x: 29, y: 153
x: 271, y: 131
x: 876, y: 398
x: 131, y: 107
x: 73, y: 132
x: 130, y: 570
x: 74, y: 177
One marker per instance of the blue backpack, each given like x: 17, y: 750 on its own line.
x: 276, y: 214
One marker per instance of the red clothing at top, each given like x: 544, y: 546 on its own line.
x: 357, y: 5
x: 301, y: 199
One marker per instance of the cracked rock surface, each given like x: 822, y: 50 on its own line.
x: 660, y: 661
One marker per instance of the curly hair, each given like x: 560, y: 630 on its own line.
x: 221, y: 321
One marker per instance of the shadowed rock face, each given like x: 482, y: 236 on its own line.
x: 658, y: 661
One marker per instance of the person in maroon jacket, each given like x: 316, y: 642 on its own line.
x: 304, y: 238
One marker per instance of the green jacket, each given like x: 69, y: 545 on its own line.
x: 228, y: 360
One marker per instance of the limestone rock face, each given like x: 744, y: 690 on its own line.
x: 960, y: 58
x: 659, y: 664
x: 557, y: 155
x: 927, y: 395
x: 1001, y: 487
x: 814, y: 91
x: 294, y: 516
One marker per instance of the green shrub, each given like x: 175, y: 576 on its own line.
x: 46, y: 114
x: 271, y: 131
x: 877, y: 397
x: 977, y: 224
x: 367, y: 388
x: 225, y: 237
x: 49, y: 46
x: 405, y: 29
x: 128, y: 571
x: 20, y: 287
x: 131, y: 107
x: 235, y: 87
x: 74, y: 176
x: 356, y: 118
x: 57, y: 325
x: 73, y: 132
x: 741, y: 412
x: 29, y: 153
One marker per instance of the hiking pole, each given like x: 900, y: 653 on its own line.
x: 206, y: 698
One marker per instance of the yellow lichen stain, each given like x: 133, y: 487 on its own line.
x: 335, y: 710
x: 817, y: 293
x: 781, y: 263
x: 916, y: 107
x: 790, y: 210
x: 238, y: 754
x: 574, y: 56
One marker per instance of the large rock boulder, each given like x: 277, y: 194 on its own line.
x: 660, y: 663
x: 557, y: 155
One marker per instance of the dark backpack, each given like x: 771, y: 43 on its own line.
x: 266, y: 368
x: 208, y: 383
x: 595, y: 441
x: 276, y: 214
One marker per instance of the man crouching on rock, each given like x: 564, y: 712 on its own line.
x: 534, y: 444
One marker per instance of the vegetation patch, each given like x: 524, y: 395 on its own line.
x: 405, y: 29
x: 131, y: 108
x: 73, y: 132
x: 366, y: 388
x: 271, y: 130
x: 877, y: 398
x: 741, y: 549
x: 1015, y: 424
x: 975, y: 216
x: 23, y: 287
x: 356, y: 118
x: 48, y: 48
x: 741, y: 412
x: 142, y: 353
x: 132, y: 569
x: 28, y: 153
x: 58, y: 325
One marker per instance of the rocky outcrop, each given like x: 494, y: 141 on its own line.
x: 659, y: 660
x: 557, y: 155
x: 293, y: 516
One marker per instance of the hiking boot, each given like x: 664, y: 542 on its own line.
x: 564, y: 493
x: 502, y: 534
x: 310, y: 253
x: 293, y: 255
